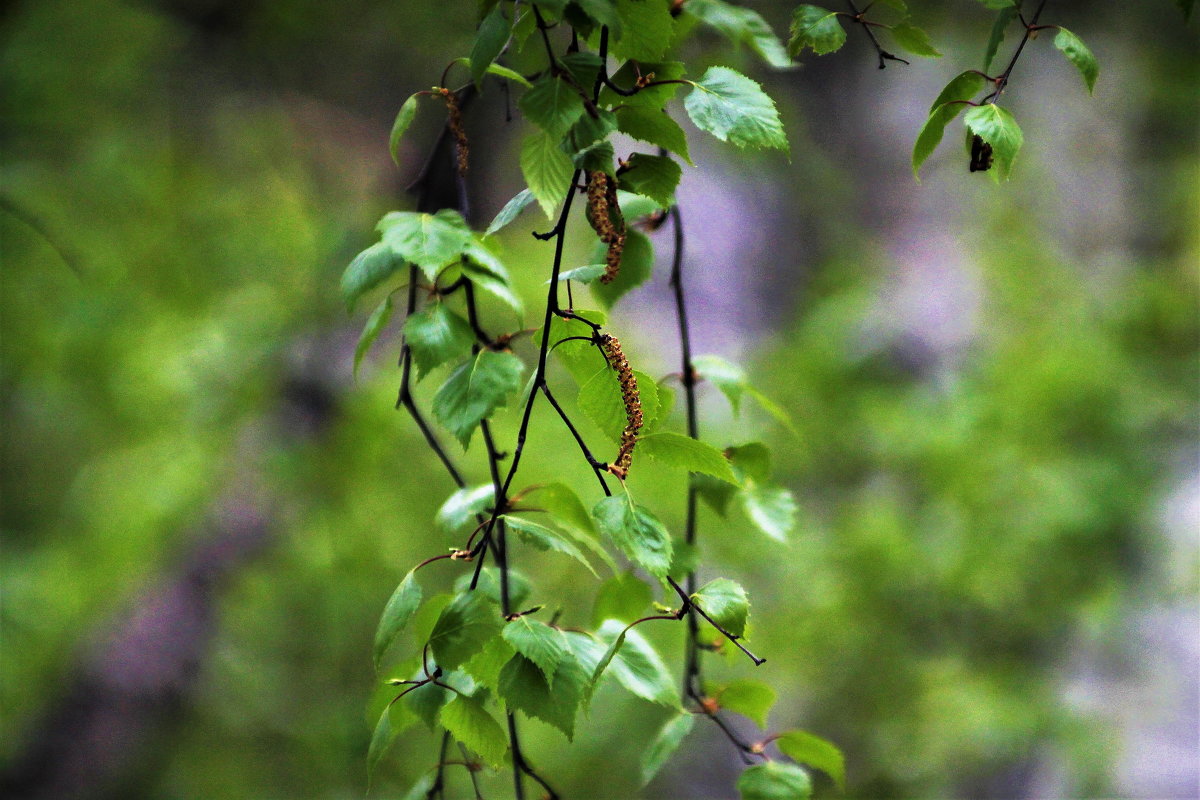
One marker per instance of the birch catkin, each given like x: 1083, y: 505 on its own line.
x: 631, y: 400
x: 603, y: 209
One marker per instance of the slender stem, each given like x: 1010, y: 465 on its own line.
x: 470, y: 771
x: 1002, y: 81
x: 438, y: 789
x: 884, y: 55
x: 597, y: 466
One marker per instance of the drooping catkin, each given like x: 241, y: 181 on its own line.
x: 604, y: 214
x: 631, y: 400
x: 461, y: 145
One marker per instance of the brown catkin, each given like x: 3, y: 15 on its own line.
x: 461, y: 146
x: 630, y: 398
x: 603, y: 208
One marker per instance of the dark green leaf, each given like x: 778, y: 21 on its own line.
x: 653, y: 176
x: 1078, y: 54
x: 654, y: 126
x: 524, y: 688
x: 485, y: 665
x: 646, y: 29
x: 996, y: 126
x: 470, y: 723
x: 735, y: 109
x: 399, y: 610
x: 475, y: 390
x: 665, y: 743
x: 461, y: 507
x: 774, y: 781
x: 752, y: 699
x: 589, y: 130
x: 741, y: 26
x: 998, y: 4
x: 683, y: 452
x: 816, y: 29
x: 375, y: 324
x: 489, y: 41
x: 636, y: 532
x: 431, y: 241
x: 510, y: 211
x: 914, y: 40
x: 369, y: 268
x: 546, y: 538
x: 547, y: 170
x: 637, y: 665
x: 726, y: 603
x: 537, y: 641
x: 426, y: 701
x: 624, y: 597
x: 463, y: 628
x: 637, y: 263
x: 435, y: 335
x: 1186, y: 7
x: 816, y: 753
x: 404, y: 118
x: 553, y: 105
x: 604, y: 12
x: 1003, y: 19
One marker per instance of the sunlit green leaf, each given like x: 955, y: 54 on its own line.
x: 524, y: 688
x: 600, y: 401
x: 728, y: 377
x: 816, y: 29
x: 431, y: 241
x: 510, y: 211
x: 624, y: 597
x: 665, y: 743
x: 487, y: 271
x: 636, y: 532
x: 646, y: 29
x: 726, y: 603
x: 553, y: 105
x: 683, y: 452
x: 996, y: 126
x: 470, y: 723
x: 464, y: 628
x: 914, y: 40
x: 774, y: 780
x: 485, y: 665
x: 653, y: 96
x: 772, y: 509
x: 547, y: 170
x: 1078, y: 54
x: 637, y: 665
x: 735, y: 109
x: 476, y: 389
x: 816, y: 753
x: 752, y: 699
x: 742, y: 26
x: 396, y: 614
x: 461, y: 507
x: 546, y: 538
x: 637, y: 263
x: 537, y: 641
x: 654, y: 126
x: 369, y: 268
x: 435, y: 335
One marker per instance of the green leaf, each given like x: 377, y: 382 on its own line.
x: 778, y: 412
x: 637, y: 263
x: 501, y: 71
x: 636, y: 664
x: 816, y: 29
x: 426, y: 701
x: 735, y: 109
x: 420, y: 789
x: 553, y: 105
x: 741, y: 26
x: 655, y: 96
x: 684, y: 452
x: 464, y: 628
x: 381, y: 740
x: 653, y: 176
x: 461, y: 507
x: 728, y: 377
x: 726, y: 603
x: 546, y: 538
x: 666, y: 742
x: 774, y: 781
x: 519, y: 587
x: 654, y: 126
x: 547, y: 170
x: 816, y: 753
x: 624, y: 597
x: 996, y: 126
x: 752, y: 699
x: 564, y: 505
x: 999, y: 4
x: 604, y: 12
x: 431, y: 241
x: 487, y: 272
x: 963, y: 86
x: 396, y: 614
x: 475, y: 390
x: 485, y: 665
x: 914, y: 40
x: 636, y: 532
x: 588, y: 130
x: 930, y: 135
x: 510, y: 211
x: 537, y: 641
x: 1003, y: 19
x: 470, y: 723
x: 581, y: 358
x: 1078, y: 54
x: 375, y: 324
x: 489, y: 42
x: 584, y: 274
x: 600, y: 401
x: 772, y: 509
x: 646, y: 29
x: 369, y: 268
x: 435, y: 335
x: 524, y: 688
x: 404, y: 118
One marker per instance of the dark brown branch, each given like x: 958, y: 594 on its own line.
x: 1002, y: 82
x: 884, y: 55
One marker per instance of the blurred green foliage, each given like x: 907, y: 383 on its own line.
x: 179, y: 198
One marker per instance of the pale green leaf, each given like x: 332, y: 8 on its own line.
x: 684, y: 452
x: 524, y: 688
x: 581, y: 358
x: 772, y: 509
x: 401, y: 606
x: 816, y: 752
x: 726, y: 603
x: 1078, y: 54
x: 636, y: 665
x: 624, y: 597
x: 930, y: 135
x: 404, y: 118
x: 470, y: 723
x: 475, y: 390
x: 665, y: 743
x: 735, y: 109
x: 996, y: 126
x: 774, y: 780
x: 600, y: 401
x: 546, y: 538
x: 742, y: 26
x: 654, y: 96
x: 369, y: 268
x: 963, y: 86
x: 728, y: 377
x: 584, y: 274
x: 485, y: 665
x: 537, y: 641
x: 510, y: 211
x: 464, y: 628
x: 435, y: 335
x: 431, y: 241
x: 636, y: 532
x: 375, y: 325
x: 462, y: 506
x: 547, y: 170
x: 817, y: 29
x: 914, y: 40
x: 752, y: 699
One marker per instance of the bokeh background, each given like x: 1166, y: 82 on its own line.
x: 992, y: 591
